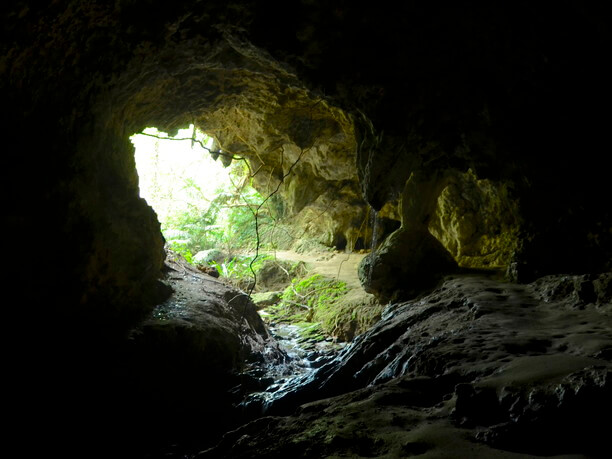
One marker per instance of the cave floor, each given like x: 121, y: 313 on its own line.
x: 477, y: 368
x: 334, y: 265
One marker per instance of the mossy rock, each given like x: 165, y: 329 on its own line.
x: 337, y: 312
x: 265, y: 299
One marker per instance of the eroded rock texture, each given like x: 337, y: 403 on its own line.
x: 499, y: 98
x: 522, y: 368
x: 477, y: 221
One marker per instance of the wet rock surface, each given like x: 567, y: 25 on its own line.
x: 193, y: 358
x: 214, y: 319
x: 302, y: 355
x: 477, y: 368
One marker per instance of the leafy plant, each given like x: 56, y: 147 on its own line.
x: 239, y: 270
x: 196, y: 208
x: 304, y: 297
x: 183, y: 250
x: 319, y: 302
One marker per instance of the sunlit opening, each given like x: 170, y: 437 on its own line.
x: 200, y: 203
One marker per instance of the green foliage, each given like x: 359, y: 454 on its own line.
x: 200, y: 204
x: 240, y: 230
x: 183, y: 250
x: 194, y: 230
x: 304, y: 297
x: 240, y: 267
x: 228, y: 222
x: 321, y: 306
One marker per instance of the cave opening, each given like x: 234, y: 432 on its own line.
x: 203, y: 199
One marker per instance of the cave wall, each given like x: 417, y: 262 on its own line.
x: 477, y: 221
x: 296, y: 143
x: 508, y: 91
x: 84, y: 77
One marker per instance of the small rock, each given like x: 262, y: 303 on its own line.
x: 210, y: 270
x: 264, y: 299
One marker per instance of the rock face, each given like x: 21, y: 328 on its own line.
x: 477, y: 221
x: 194, y: 346
x: 245, y: 85
x: 406, y: 263
x: 410, y: 259
x: 506, y: 365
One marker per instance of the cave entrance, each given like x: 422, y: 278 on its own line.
x: 204, y: 201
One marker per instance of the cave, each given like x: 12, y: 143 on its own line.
x: 458, y: 150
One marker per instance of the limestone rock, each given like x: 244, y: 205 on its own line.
x: 424, y: 90
x: 410, y: 260
x: 477, y: 221
x: 581, y: 290
x: 459, y: 306
x: 210, y: 270
x: 193, y: 347
x: 477, y: 359
x: 537, y: 412
x: 407, y: 263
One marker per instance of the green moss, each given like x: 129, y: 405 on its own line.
x: 312, y: 294
x: 347, y: 319
x: 324, y: 308
x: 310, y: 332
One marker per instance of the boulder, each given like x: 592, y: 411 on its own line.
x: 410, y: 260
x: 210, y: 270
x: 408, y: 263
x: 276, y: 274
x: 209, y: 256
x: 194, y: 346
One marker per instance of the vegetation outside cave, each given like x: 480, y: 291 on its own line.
x: 201, y: 203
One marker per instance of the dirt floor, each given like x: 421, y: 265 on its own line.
x: 335, y: 265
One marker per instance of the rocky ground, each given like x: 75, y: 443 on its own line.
x: 306, y: 344
x: 477, y: 368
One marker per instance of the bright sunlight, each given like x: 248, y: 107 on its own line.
x: 200, y: 203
